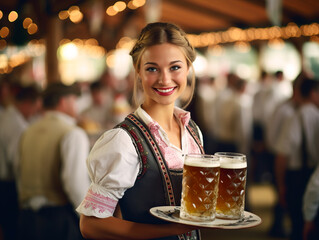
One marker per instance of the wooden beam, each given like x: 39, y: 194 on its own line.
x: 190, y: 20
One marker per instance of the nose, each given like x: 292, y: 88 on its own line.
x: 164, y: 78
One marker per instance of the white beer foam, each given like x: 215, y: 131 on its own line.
x: 198, y: 162
x: 232, y: 163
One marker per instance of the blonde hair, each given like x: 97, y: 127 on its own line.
x: 159, y: 33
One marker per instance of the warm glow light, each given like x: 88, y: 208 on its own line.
x: 63, y: 15
x: 200, y: 65
x: 242, y: 47
x: 69, y: 51
x: 204, y: 39
x: 81, y: 61
x: 32, y: 29
x: 274, y: 32
x: 216, y: 50
x: 119, y: 6
x: 276, y: 43
x: 76, y: 16
x: 138, y: 3
x: 3, y: 44
x: 1, y: 14
x: 64, y: 41
x: 130, y: 5
x: 4, y: 32
x: 119, y: 62
x: 111, y: 11
x: 94, y: 51
x: 15, y: 56
x: 18, y: 59
x: 92, y: 41
x: 125, y: 42
x: 110, y: 60
x: 78, y: 41
x: 235, y: 34
x: 13, y: 15
x: 3, y: 61
x: 74, y: 8
x: 26, y: 22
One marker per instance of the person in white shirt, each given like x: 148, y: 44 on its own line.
x: 300, y: 153
x: 139, y: 163
x: 259, y: 153
x: 311, y: 196
x: 223, y: 118
x: 99, y: 112
x: 274, y: 131
x: 260, y: 104
x: 243, y: 118
x: 52, y: 174
x: 14, y: 121
x: 311, y: 207
x: 203, y: 110
x: 98, y: 116
x: 281, y: 89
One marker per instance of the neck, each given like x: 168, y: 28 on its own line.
x: 164, y: 115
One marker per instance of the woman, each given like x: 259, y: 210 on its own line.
x: 139, y: 163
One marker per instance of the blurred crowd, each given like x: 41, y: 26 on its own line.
x: 49, y: 131
x: 275, y: 122
x: 46, y: 134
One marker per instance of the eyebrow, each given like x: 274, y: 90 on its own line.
x: 153, y: 63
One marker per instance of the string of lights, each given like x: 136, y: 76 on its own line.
x: 239, y: 37
x: 235, y: 34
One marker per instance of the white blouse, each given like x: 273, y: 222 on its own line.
x: 113, y: 163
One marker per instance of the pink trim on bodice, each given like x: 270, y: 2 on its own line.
x: 171, y: 156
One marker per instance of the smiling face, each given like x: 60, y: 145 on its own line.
x: 163, y: 71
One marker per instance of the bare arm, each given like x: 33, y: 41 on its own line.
x: 115, y: 228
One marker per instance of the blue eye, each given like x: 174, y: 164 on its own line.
x: 174, y: 68
x: 151, y: 69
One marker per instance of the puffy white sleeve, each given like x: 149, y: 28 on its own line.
x: 113, y: 166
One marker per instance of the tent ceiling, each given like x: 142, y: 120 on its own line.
x: 194, y: 16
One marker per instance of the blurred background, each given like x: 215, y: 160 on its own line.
x: 55, y: 37
x: 84, y: 41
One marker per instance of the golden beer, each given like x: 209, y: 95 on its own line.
x: 232, y: 186
x: 200, y: 187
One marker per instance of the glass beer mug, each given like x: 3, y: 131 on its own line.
x: 200, y: 187
x: 232, y: 185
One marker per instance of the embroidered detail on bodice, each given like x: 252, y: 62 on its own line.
x: 173, y: 159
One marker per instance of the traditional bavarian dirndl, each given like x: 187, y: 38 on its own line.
x: 156, y: 184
